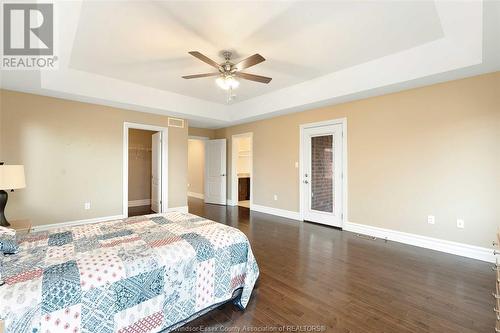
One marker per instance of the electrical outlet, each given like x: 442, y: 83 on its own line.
x: 87, y: 205
x: 296, y: 165
x: 431, y: 219
x: 275, y: 197
x: 460, y: 223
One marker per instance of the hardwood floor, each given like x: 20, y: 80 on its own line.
x: 139, y: 210
x: 315, y: 275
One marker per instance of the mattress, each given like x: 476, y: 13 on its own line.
x: 141, y: 274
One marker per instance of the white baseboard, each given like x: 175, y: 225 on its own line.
x: 276, y: 211
x: 196, y: 195
x: 181, y: 209
x: 231, y: 203
x: 77, y: 222
x: 142, y: 202
x: 460, y: 249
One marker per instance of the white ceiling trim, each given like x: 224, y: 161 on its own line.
x: 460, y: 47
x: 92, y: 86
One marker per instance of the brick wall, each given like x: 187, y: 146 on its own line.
x: 322, y: 173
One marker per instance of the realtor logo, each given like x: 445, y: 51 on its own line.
x: 28, y: 29
x: 28, y: 36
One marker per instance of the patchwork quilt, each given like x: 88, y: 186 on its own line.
x: 141, y: 274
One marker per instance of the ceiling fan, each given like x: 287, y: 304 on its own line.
x: 228, y: 71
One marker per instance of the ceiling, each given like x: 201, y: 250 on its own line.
x: 328, y: 39
x: 132, y: 54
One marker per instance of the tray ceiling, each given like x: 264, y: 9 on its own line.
x: 132, y: 54
x: 146, y: 43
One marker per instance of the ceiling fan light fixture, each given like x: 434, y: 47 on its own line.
x: 227, y: 82
x: 227, y: 72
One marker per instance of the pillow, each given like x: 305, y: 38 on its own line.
x: 8, y: 243
x: 7, y: 231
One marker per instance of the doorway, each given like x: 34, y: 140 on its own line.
x: 145, y: 169
x: 207, y: 169
x: 322, y: 170
x: 196, y: 167
x: 242, y: 169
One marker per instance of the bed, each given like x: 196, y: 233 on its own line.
x: 150, y: 273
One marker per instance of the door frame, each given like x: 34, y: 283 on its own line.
x: 164, y: 162
x: 343, y: 122
x: 233, y: 201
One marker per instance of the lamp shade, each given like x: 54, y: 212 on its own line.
x: 12, y: 177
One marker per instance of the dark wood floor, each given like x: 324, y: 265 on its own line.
x: 316, y: 275
x: 139, y: 210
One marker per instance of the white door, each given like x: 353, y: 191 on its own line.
x: 215, y: 171
x: 322, y: 174
x: 156, y: 168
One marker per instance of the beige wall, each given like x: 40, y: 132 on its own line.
x: 428, y: 151
x: 196, y: 166
x: 177, y: 166
x: 205, y: 132
x: 139, y: 164
x: 72, y: 152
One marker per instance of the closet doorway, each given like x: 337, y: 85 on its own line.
x: 145, y: 169
x: 242, y: 170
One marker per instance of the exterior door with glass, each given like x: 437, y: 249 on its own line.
x: 322, y: 174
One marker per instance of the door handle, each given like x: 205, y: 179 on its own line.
x: 306, y: 181
x: 223, y: 175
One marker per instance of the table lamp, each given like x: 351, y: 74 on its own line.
x: 11, y: 178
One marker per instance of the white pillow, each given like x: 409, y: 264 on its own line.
x: 7, y: 231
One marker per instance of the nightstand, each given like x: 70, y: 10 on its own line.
x: 22, y: 227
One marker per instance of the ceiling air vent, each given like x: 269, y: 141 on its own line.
x: 175, y: 122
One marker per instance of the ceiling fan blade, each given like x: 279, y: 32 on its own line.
x: 249, y: 62
x: 195, y: 76
x: 204, y: 58
x: 253, y: 77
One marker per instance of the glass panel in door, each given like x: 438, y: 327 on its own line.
x: 322, y: 167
